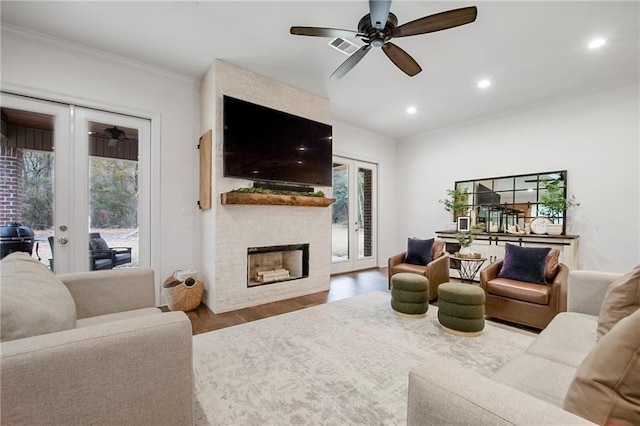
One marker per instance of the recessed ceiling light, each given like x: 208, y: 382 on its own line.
x: 597, y: 42
x: 484, y: 83
x: 411, y: 110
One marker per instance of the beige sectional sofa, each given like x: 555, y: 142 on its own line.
x: 90, y: 348
x: 531, y: 388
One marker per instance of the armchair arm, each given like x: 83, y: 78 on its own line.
x: 106, y: 292
x: 438, y: 270
x: 453, y: 395
x: 101, y: 254
x: 489, y: 273
x: 586, y: 290
x: 121, y: 249
x: 559, y: 289
x: 395, y: 260
x: 136, y: 371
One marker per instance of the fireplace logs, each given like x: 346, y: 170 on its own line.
x: 273, y: 275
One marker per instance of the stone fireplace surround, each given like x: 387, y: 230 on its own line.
x: 228, y: 231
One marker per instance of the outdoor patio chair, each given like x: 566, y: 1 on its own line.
x: 97, y: 261
x: 100, y: 248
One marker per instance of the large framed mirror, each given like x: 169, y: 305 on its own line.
x: 511, y: 203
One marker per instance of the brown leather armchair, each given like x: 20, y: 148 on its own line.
x: 436, y: 271
x: 529, y: 304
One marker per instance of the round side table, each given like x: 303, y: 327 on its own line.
x: 468, y: 267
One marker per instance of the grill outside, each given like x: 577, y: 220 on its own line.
x: 15, y: 237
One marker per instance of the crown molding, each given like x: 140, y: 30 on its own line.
x: 49, y: 42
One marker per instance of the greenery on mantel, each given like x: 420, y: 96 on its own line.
x: 318, y: 194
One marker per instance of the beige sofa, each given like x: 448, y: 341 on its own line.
x: 90, y: 348
x: 531, y: 388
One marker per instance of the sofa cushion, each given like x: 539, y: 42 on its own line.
x: 408, y: 267
x: 606, y: 387
x: 419, y: 252
x: 33, y: 300
x: 567, y: 339
x: 524, y: 263
x: 539, y: 377
x: 519, y: 290
x: 621, y: 300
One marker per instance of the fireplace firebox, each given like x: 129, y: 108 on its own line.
x: 275, y: 264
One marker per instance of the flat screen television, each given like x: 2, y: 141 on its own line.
x: 486, y: 196
x: 265, y: 145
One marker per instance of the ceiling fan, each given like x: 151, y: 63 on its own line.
x: 115, y: 136
x: 378, y: 27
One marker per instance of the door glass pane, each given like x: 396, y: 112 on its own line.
x: 113, y: 196
x: 340, y: 213
x: 365, y: 213
x: 26, y: 181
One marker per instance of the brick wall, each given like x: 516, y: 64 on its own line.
x: 10, y: 184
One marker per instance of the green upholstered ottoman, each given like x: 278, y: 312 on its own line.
x: 461, y: 308
x: 410, y: 294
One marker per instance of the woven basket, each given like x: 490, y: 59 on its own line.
x: 181, y: 297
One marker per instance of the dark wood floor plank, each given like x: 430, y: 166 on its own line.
x: 341, y: 286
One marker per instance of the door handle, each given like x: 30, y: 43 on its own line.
x: 63, y: 240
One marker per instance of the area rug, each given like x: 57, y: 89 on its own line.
x: 340, y: 363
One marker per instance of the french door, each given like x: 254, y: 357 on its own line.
x: 354, y: 215
x: 85, y: 183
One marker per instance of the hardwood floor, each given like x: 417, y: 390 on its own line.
x: 342, y: 287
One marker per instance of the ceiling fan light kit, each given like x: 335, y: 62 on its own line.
x: 115, y: 135
x: 374, y: 34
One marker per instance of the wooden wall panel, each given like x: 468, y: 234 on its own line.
x: 205, y: 170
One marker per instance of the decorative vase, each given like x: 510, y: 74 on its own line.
x: 465, y: 250
x: 554, y: 229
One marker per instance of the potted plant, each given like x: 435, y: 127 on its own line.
x: 554, y: 204
x: 457, y: 202
x: 465, y: 239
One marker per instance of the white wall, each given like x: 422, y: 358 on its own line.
x: 49, y: 68
x: 351, y: 142
x: 595, y: 136
x: 37, y: 65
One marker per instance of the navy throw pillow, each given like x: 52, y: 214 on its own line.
x: 524, y: 263
x: 419, y: 252
x: 98, y: 244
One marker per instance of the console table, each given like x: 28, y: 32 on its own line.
x: 491, y: 245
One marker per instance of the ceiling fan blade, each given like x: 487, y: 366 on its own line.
x: 323, y: 32
x: 379, y: 11
x: 351, y: 62
x: 401, y: 59
x: 437, y: 22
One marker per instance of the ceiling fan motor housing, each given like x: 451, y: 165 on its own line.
x: 376, y: 37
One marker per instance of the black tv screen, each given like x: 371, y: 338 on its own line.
x: 262, y: 144
x: 485, y: 195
